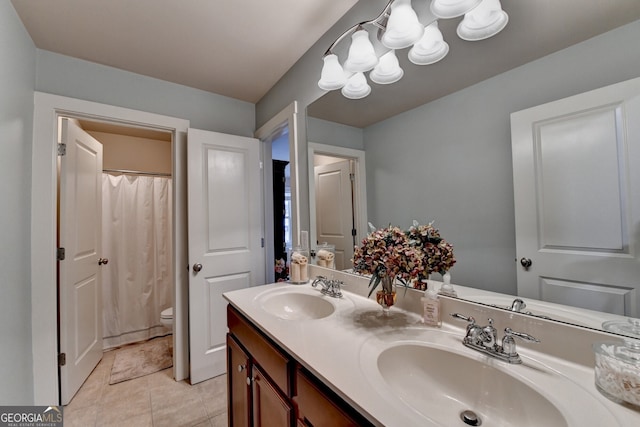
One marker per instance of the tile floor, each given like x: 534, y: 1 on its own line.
x: 153, y: 400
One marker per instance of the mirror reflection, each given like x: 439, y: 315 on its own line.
x: 457, y: 161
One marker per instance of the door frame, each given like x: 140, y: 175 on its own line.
x: 44, y: 181
x: 287, y: 117
x: 359, y: 187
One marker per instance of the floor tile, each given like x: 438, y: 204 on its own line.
x: 154, y: 400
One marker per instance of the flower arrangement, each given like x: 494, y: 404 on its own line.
x: 387, y: 253
x: 409, y: 256
x: 437, y: 252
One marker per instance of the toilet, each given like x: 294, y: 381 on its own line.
x: 166, y: 318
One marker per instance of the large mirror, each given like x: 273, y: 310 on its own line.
x: 447, y: 157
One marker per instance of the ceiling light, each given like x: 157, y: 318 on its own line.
x: 356, y: 87
x: 403, y: 28
x: 448, y: 9
x: 388, y: 69
x: 333, y: 76
x: 399, y: 27
x: 362, y: 57
x: 483, y: 22
x: 431, y: 48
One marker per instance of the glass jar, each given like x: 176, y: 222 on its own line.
x: 298, y: 266
x: 617, y: 371
x: 326, y: 256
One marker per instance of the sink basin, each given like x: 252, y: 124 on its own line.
x: 296, y: 305
x: 417, y: 373
x: 430, y: 377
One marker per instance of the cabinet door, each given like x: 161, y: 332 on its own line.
x: 270, y: 409
x: 238, y: 384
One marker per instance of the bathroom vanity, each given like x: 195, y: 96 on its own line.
x: 298, y: 357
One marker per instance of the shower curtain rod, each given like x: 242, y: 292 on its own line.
x: 136, y: 172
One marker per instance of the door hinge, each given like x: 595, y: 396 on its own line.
x: 261, y: 165
x: 352, y: 177
x: 262, y: 242
x: 354, y: 232
x: 62, y: 359
x: 62, y: 149
x: 60, y: 254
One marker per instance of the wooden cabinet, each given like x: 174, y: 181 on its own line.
x: 238, y: 384
x: 268, y: 387
x: 270, y: 407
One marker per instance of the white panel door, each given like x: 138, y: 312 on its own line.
x: 225, y: 232
x: 334, y: 209
x: 80, y: 235
x: 576, y: 169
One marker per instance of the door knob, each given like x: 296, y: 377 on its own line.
x: 103, y: 261
x: 197, y: 267
x: 526, y: 263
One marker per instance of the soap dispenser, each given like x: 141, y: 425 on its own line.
x: 431, y: 307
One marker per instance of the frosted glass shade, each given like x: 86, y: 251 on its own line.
x: 356, y: 87
x: 332, y: 76
x: 431, y: 48
x: 388, y: 69
x: 362, y: 56
x: 403, y: 27
x: 452, y: 8
x: 483, y: 22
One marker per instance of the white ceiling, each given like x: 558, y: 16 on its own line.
x: 241, y: 48
x: 236, y: 48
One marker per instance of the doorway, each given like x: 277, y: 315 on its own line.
x: 44, y: 219
x: 344, y: 222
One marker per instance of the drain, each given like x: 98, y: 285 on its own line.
x: 470, y: 418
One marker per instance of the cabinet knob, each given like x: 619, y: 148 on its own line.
x: 241, y: 368
x: 248, y: 380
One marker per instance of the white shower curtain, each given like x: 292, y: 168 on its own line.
x: 136, y: 238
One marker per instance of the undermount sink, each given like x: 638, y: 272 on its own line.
x: 430, y: 376
x: 296, y: 304
x: 460, y: 384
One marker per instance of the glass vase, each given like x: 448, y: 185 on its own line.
x: 386, y: 296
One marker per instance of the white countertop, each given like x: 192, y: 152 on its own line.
x: 335, y: 349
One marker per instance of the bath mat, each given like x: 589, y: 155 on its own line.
x: 142, y: 359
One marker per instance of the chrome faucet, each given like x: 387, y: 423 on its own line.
x: 484, y: 340
x: 517, y: 305
x: 330, y: 287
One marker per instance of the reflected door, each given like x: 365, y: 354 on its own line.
x: 225, y: 232
x: 576, y: 168
x: 334, y: 209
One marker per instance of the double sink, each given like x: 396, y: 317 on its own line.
x: 425, y: 375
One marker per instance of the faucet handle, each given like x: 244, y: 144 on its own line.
x: 469, y: 319
x: 526, y: 337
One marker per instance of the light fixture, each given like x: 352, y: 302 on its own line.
x: 403, y: 28
x: 362, y: 57
x: 431, y: 48
x: 448, y: 9
x: 356, y: 87
x: 398, y: 27
x: 483, y: 22
x: 388, y: 69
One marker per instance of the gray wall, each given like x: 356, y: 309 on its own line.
x: 330, y: 133
x: 75, y: 78
x: 450, y: 160
x: 17, y: 80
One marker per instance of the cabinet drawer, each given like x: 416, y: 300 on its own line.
x: 317, y: 409
x: 265, y: 354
